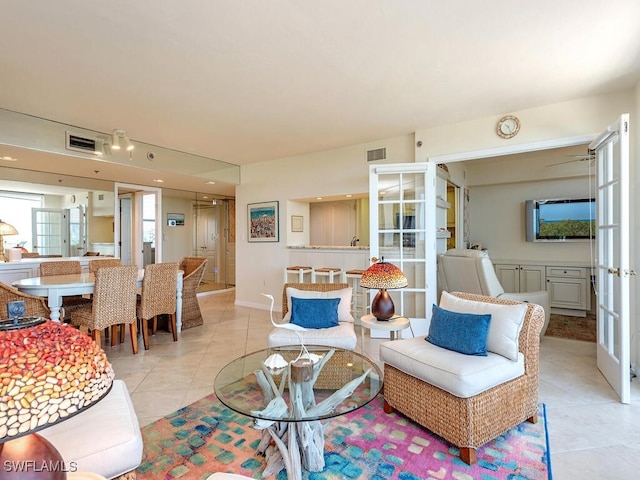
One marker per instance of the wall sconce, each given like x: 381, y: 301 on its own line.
x: 121, y: 135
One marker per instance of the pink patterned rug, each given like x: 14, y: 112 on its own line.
x: 206, y: 437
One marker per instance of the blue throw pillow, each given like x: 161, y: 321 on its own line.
x: 461, y: 332
x: 314, y: 312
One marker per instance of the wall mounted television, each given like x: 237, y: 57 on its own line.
x: 561, y: 220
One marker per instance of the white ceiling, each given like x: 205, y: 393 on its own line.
x: 254, y: 80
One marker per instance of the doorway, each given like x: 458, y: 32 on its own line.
x: 214, y: 239
x: 137, y: 225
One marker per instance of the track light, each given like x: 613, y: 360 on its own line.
x: 115, y: 142
x: 121, y: 134
x: 128, y: 143
x: 100, y: 147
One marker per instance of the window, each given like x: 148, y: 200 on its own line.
x: 15, y: 209
x: 149, y: 218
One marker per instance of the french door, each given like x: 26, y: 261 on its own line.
x: 402, y: 205
x: 613, y: 270
x: 50, y: 229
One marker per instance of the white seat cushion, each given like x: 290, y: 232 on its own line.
x: 342, y: 336
x: 103, y: 439
x: 461, y: 375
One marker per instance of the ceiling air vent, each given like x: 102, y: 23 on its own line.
x: 78, y: 143
x: 377, y: 154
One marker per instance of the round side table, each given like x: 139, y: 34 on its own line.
x: 394, y: 325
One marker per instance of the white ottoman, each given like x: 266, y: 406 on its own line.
x: 103, y: 439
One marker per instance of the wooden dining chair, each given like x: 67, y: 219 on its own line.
x: 65, y: 267
x: 158, y: 297
x: 114, y: 304
x: 33, y: 306
x: 193, y: 268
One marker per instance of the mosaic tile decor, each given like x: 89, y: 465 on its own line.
x: 206, y: 437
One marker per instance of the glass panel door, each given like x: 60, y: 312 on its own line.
x: 77, y: 231
x: 402, y: 220
x: 50, y: 229
x: 613, y: 349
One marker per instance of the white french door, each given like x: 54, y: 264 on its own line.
x: 613, y: 269
x: 402, y: 206
x: 50, y: 229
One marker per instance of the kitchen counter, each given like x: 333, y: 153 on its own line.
x: 318, y: 256
x: 30, y: 267
x: 328, y: 247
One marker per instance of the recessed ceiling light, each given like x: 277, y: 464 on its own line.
x: 318, y: 198
x: 211, y: 182
x: 9, y: 159
x: 158, y: 180
x: 205, y: 197
x: 349, y: 195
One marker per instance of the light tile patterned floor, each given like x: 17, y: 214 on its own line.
x: 592, y: 435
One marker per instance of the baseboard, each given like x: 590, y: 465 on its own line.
x: 569, y: 312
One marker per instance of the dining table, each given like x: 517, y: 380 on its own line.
x: 55, y: 287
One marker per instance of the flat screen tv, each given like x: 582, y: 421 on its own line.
x: 561, y: 220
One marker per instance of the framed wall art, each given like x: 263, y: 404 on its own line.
x: 175, y: 219
x: 297, y: 223
x: 264, y: 222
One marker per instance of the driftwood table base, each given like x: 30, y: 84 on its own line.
x: 295, y: 444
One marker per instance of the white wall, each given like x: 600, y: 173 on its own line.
x: 497, y: 220
x: 177, y: 242
x: 587, y: 116
x: 259, y: 266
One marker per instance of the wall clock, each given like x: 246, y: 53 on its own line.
x: 508, y: 126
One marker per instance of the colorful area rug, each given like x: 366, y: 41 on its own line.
x: 574, y: 328
x: 206, y: 437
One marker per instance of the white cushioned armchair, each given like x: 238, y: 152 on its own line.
x: 342, y: 335
x: 471, y: 271
x: 468, y: 399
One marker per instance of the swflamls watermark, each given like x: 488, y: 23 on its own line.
x: 22, y: 466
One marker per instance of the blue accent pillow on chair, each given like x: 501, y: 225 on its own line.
x: 461, y: 332
x: 314, y: 312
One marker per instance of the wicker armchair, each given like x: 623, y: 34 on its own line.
x: 33, y: 306
x: 114, y: 303
x: 469, y: 423
x: 342, y: 336
x: 158, y: 297
x: 193, y: 268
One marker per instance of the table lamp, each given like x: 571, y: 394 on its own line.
x: 48, y: 373
x: 384, y: 276
x: 5, y: 229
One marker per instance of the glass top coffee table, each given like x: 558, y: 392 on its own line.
x: 289, y: 390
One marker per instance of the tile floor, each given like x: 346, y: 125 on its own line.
x: 592, y: 435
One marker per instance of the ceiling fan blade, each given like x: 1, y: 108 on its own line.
x: 581, y: 159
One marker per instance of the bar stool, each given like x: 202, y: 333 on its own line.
x: 332, y: 274
x: 359, y: 304
x: 299, y: 271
